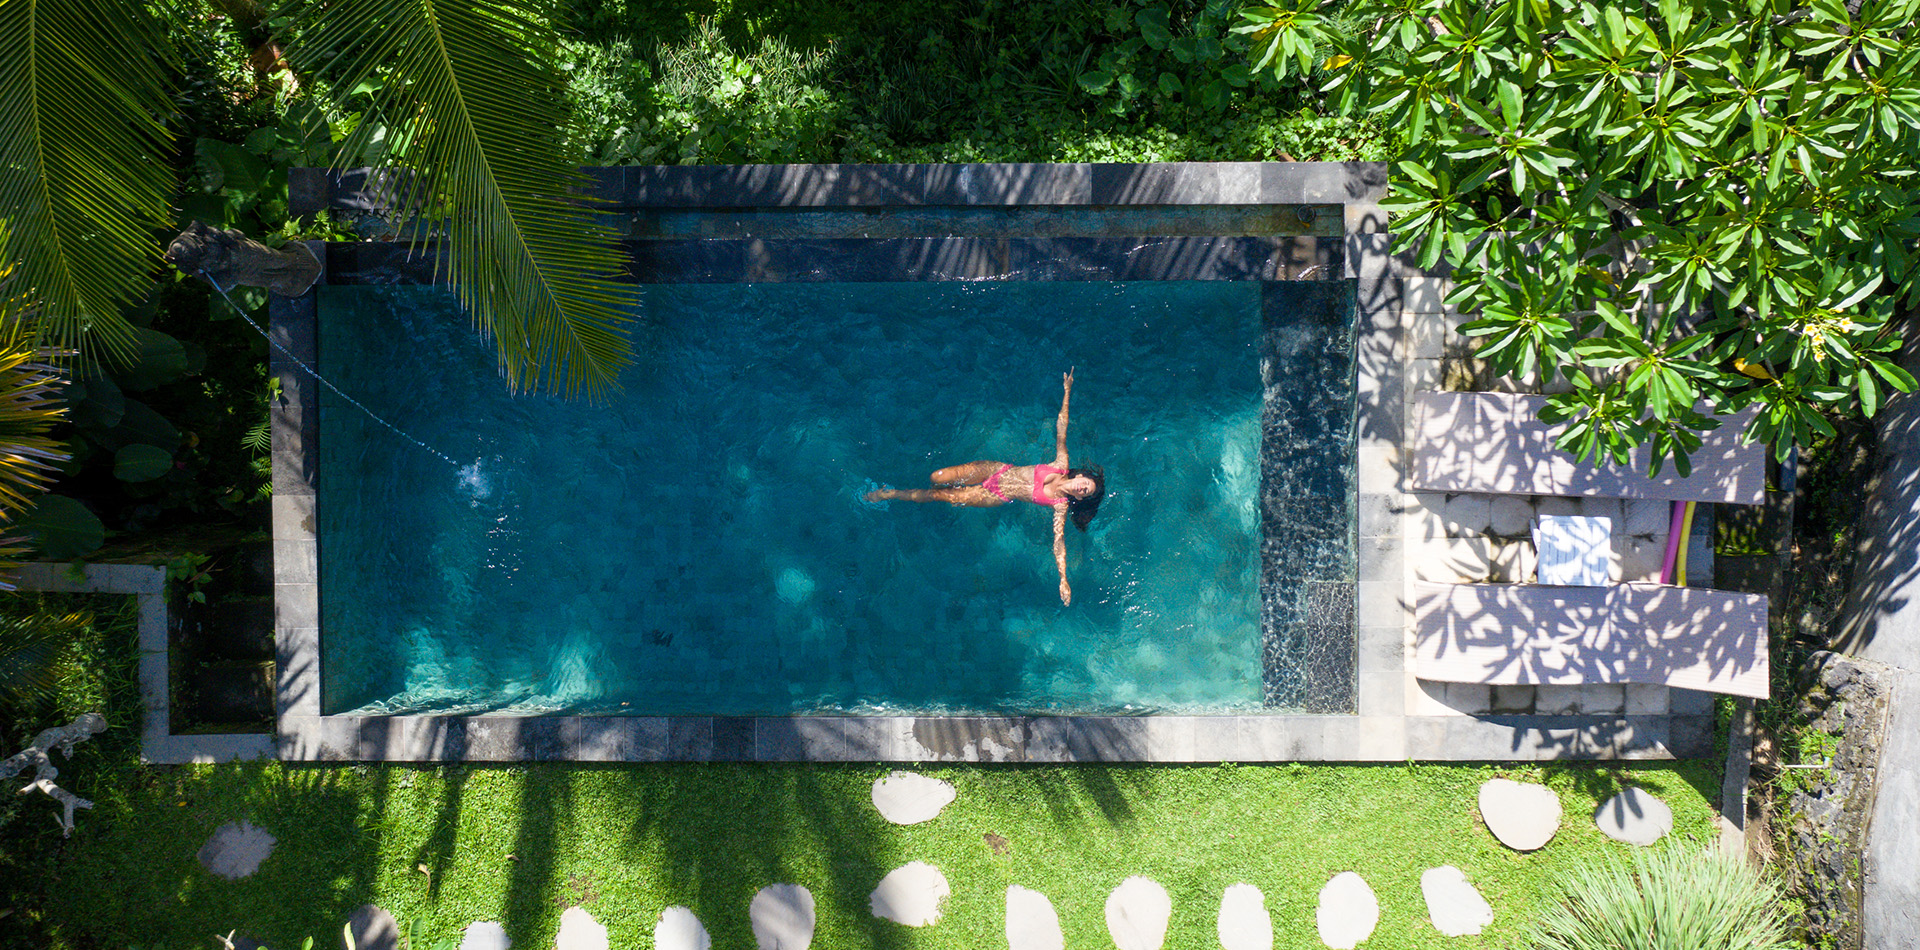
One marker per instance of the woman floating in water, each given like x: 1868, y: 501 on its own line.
x: 1075, y: 491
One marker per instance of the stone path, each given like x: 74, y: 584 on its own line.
x: 579, y: 931
x: 1635, y: 817
x: 235, y: 850
x: 1453, y: 903
x: 485, y: 935
x: 1244, y: 922
x: 1137, y: 914
x: 906, y: 798
x: 373, y: 929
x: 1032, y: 923
x: 1523, y: 816
x: 782, y: 917
x: 1348, y: 911
x: 679, y: 929
x: 911, y: 894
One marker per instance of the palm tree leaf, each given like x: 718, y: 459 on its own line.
x: 31, y: 400
x: 31, y: 649
x: 472, y: 88
x: 84, y: 182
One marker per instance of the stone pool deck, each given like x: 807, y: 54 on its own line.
x: 1305, y: 223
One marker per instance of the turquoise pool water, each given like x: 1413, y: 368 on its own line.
x: 698, y: 545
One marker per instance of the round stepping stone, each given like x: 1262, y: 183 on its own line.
x: 578, y: 931
x: 235, y: 850
x: 1453, y: 903
x: 679, y: 929
x: 1244, y: 921
x: 1348, y: 911
x: 908, y: 798
x: 1635, y: 817
x: 373, y: 928
x: 1523, y: 816
x: 911, y: 894
x: 485, y: 935
x: 1032, y: 923
x: 782, y: 917
x: 1137, y: 914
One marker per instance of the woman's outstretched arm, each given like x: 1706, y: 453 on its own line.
x: 1060, y: 428
x: 1060, y: 550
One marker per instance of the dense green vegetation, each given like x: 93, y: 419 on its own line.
x: 1679, y: 205
x: 994, y: 81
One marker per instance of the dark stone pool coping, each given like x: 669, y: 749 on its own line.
x: 1391, y: 292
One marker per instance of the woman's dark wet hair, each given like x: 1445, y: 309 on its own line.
x: 1083, y: 509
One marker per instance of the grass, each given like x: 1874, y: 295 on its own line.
x: 449, y: 845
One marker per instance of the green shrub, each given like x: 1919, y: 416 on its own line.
x: 1675, y: 898
x: 985, y: 81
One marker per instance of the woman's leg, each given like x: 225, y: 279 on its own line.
x: 972, y: 473
x: 970, y: 496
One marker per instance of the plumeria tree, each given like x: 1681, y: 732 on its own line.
x: 466, y: 101
x: 1686, y: 207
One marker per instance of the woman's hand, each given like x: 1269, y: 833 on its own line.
x: 1066, y: 380
x: 1066, y: 593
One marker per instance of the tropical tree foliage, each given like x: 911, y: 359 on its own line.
x: 1682, y: 206
x: 467, y: 101
x: 30, y: 404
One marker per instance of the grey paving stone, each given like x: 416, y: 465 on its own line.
x: 970, y: 739
x: 1243, y: 922
x: 908, y: 798
x: 579, y: 931
x: 1382, y: 739
x: 733, y: 739
x: 1522, y: 816
x: 1347, y: 912
x: 912, y: 895
x: 1453, y: 904
x: 235, y: 850
x: 679, y: 929
x: 1382, y: 605
x: 1087, y: 739
x: 292, y: 516
x: 1380, y: 558
x: 1634, y: 816
x: 297, y: 671
x: 418, y: 738
x: 1382, y: 694
x: 1032, y: 923
x: 296, y: 561
x: 689, y: 739
x: 373, y: 928
x: 826, y: 739
x: 1382, y: 649
x: 484, y: 935
x: 783, y: 917
x: 1138, y: 912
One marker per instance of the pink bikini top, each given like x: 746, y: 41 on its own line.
x: 1040, y: 473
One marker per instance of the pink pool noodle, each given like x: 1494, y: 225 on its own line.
x: 1673, y: 542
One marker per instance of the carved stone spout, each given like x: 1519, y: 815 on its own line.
x: 231, y: 259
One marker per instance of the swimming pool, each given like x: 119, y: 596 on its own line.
x: 698, y: 545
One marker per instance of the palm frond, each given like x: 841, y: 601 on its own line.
x: 30, y: 403
x: 84, y: 180
x: 31, y: 649
x: 472, y: 87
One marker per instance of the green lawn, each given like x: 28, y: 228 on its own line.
x: 520, y: 844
